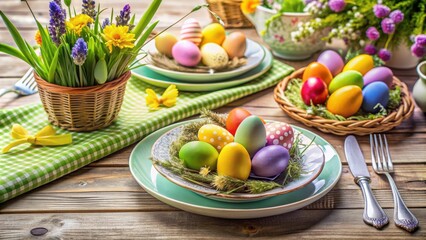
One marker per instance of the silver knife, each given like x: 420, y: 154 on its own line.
x: 373, y: 213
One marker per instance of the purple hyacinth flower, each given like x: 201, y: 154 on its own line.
x: 105, y: 23
x: 381, y: 10
x: 124, y: 17
x: 79, y: 52
x: 421, y: 40
x: 418, y: 50
x: 372, y: 33
x: 89, y: 8
x: 388, y: 26
x: 370, y: 49
x: 397, y: 16
x: 56, y: 23
x: 337, y: 5
x: 384, y: 54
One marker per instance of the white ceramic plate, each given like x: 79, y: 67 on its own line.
x: 255, y: 54
x: 155, y: 184
x: 153, y: 78
x: 313, y: 162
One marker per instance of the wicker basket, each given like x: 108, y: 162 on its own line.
x: 230, y: 12
x: 358, y: 127
x: 82, y: 109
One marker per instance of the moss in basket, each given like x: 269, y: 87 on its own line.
x: 292, y: 93
x: 226, y: 184
x: 85, y: 50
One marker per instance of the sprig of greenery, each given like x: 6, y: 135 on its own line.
x: 292, y: 93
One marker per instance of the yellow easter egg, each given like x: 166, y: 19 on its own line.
x: 213, y: 33
x: 345, y: 101
x: 217, y: 136
x: 361, y: 63
x: 165, y: 42
x: 234, y: 161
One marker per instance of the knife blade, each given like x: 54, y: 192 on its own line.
x: 373, y: 213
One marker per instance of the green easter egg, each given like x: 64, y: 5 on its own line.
x: 350, y: 77
x: 251, y: 133
x: 197, y: 154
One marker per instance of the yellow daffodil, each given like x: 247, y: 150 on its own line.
x: 118, y: 36
x: 249, y: 6
x: 78, y: 22
x: 37, y: 38
x: 168, y: 98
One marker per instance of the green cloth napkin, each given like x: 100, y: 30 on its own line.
x: 26, y: 167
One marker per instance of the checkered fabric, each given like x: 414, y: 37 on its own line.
x: 26, y: 167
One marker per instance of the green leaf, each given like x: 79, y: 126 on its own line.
x: 9, y: 50
x: 68, y: 2
x: 145, y: 35
x: 101, y: 71
x: 52, y: 68
x: 146, y: 18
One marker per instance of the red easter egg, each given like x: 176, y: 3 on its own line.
x: 235, y: 117
x: 314, y: 90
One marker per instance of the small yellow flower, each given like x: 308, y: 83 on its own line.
x: 168, y: 98
x: 37, y: 38
x: 118, y: 36
x: 78, y: 22
x: 204, y: 171
x: 249, y: 6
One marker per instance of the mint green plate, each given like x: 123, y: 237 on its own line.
x: 155, y: 184
x: 156, y: 79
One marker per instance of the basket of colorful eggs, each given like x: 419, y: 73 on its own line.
x: 237, y: 157
x: 352, y: 98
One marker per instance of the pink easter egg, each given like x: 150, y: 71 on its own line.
x: 191, y: 31
x: 279, y: 133
x: 186, y: 53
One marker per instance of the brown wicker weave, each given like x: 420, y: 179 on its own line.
x: 229, y: 11
x: 358, y: 127
x: 82, y: 109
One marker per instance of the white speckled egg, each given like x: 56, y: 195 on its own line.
x: 191, y: 31
x: 214, y: 56
x: 217, y: 136
x: 279, y: 133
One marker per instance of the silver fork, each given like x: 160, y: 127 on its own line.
x: 25, y: 86
x: 403, y: 218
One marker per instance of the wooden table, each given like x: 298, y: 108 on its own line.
x: 102, y: 200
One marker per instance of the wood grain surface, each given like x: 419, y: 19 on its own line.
x: 103, y: 201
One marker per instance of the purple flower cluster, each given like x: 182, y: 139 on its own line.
x: 384, y: 54
x: 372, y: 33
x: 337, y: 5
x: 370, y: 49
x: 89, y: 8
x: 124, y: 17
x: 397, y: 16
x: 105, y: 23
x: 388, y: 26
x: 381, y: 10
x: 56, y: 23
x: 79, y: 52
x: 419, y: 47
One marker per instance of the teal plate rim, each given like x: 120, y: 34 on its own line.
x: 159, y: 187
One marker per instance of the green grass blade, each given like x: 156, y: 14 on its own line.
x: 52, y: 68
x: 9, y: 50
x: 145, y: 35
x: 146, y: 18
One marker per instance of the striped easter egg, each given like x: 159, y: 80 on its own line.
x: 191, y: 31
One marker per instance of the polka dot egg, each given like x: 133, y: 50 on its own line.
x: 217, y: 136
x: 279, y: 133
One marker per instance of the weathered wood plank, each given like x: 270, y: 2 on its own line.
x: 114, y: 189
x: 310, y: 224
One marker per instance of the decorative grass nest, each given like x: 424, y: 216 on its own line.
x: 162, y: 61
x: 357, y: 124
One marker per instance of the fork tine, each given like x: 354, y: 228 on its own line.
x: 27, y: 77
x: 379, y: 163
x: 390, y: 164
x: 373, y: 157
x: 382, y: 154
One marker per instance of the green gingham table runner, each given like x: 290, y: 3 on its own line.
x: 26, y: 167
